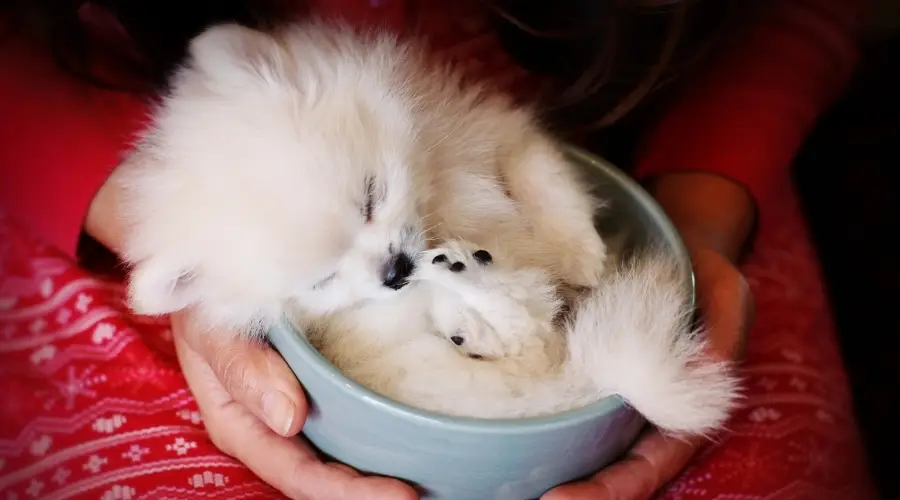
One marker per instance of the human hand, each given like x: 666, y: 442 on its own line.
x: 253, y: 407
x: 252, y: 404
x: 714, y: 217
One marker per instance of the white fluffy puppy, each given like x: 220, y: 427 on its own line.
x: 476, y: 337
x: 307, y: 169
x: 311, y: 165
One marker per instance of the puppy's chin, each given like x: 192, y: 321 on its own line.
x: 338, y: 296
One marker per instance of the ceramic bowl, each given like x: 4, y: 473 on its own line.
x: 476, y: 459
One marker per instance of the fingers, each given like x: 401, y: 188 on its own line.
x: 726, y: 301
x: 654, y: 461
x: 251, y: 372
x: 288, y: 464
x: 293, y: 467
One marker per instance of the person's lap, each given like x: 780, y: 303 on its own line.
x: 94, y: 405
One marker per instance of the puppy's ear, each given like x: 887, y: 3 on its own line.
x: 231, y: 51
x: 156, y: 288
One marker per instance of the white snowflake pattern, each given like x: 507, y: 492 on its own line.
x: 37, y: 326
x: 108, y: 425
x: 77, y: 385
x: 767, y: 383
x: 63, y: 316
x: 208, y: 478
x: 60, y: 475
x: 34, y: 488
x: 689, y: 486
x: 46, y: 287
x: 798, y: 384
x: 181, y: 446
x: 825, y: 416
x: 792, y: 356
x: 94, y: 464
x: 189, y: 415
x: 102, y: 333
x: 39, y: 446
x: 44, y: 353
x: 762, y: 414
x: 119, y: 492
x: 82, y: 302
x: 135, y: 453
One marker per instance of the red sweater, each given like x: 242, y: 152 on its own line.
x: 744, y: 118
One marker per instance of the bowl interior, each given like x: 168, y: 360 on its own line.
x: 631, y: 219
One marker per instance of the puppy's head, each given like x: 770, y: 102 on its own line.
x: 280, y: 168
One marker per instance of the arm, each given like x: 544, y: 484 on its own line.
x: 64, y: 140
x: 746, y: 116
x: 731, y: 137
x: 59, y: 140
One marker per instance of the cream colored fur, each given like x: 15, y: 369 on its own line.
x: 286, y: 171
x: 630, y: 336
x: 247, y: 192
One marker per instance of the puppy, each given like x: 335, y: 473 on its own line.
x: 476, y: 337
x: 312, y: 165
x: 309, y: 169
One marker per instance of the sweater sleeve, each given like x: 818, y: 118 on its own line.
x: 747, y: 114
x: 59, y: 139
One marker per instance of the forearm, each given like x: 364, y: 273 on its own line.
x: 747, y: 114
x: 103, y: 221
x: 59, y: 140
x: 707, y: 209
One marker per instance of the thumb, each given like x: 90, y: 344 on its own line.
x: 252, y: 373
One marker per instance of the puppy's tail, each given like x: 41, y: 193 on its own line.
x: 633, y: 337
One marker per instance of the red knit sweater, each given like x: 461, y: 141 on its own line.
x: 744, y: 118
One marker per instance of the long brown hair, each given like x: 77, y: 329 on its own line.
x: 156, y: 33
x: 603, y: 57
x: 606, y: 57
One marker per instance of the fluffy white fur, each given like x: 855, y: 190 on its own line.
x: 631, y: 336
x: 249, y: 190
x: 289, y: 171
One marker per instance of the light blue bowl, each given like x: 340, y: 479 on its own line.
x: 476, y: 459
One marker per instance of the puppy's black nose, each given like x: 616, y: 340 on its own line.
x: 397, y: 270
x: 483, y: 257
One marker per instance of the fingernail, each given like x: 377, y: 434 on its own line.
x: 279, y: 411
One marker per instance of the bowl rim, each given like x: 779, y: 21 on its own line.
x: 527, y: 425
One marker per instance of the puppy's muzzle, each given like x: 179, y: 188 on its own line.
x: 397, y: 270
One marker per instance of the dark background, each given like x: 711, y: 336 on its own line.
x: 848, y: 176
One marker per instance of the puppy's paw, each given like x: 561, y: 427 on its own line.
x: 475, y: 338
x: 467, y: 331
x: 456, y: 259
x: 455, y: 264
x: 458, y: 273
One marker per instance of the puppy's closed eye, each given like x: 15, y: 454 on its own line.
x: 369, y: 206
x: 324, y: 282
